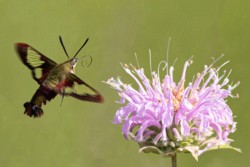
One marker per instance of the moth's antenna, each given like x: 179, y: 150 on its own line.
x: 81, y: 47
x: 61, y: 41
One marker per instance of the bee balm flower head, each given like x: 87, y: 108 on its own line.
x: 166, y: 117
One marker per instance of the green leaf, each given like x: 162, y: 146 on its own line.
x: 155, y: 150
x: 224, y: 147
x: 150, y: 149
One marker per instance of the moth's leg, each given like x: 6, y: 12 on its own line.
x: 63, y: 93
x: 74, y: 89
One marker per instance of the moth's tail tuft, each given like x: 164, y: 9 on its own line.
x: 32, y: 110
x: 34, y: 107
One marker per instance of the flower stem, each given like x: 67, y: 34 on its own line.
x: 174, y: 160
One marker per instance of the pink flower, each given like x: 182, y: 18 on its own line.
x: 166, y: 117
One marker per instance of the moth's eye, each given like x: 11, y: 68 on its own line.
x: 74, y: 61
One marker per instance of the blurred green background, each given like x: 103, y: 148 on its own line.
x: 81, y: 133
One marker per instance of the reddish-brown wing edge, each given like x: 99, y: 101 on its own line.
x: 72, y: 79
x: 48, y: 64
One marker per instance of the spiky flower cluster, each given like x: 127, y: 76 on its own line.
x: 166, y: 118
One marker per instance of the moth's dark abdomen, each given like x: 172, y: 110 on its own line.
x: 34, y: 107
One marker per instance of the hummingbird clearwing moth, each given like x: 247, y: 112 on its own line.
x: 53, y: 79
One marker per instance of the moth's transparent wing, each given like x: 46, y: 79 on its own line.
x: 39, y: 64
x: 79, y: 89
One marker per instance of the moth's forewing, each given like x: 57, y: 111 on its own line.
x: 79, y: 89
x: 39, y: 64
